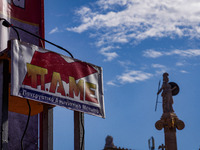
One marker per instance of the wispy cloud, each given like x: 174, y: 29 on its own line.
x: 183, y: 53
x: 130, y: 21
x: 108, y: 4
x: 158, y: 66
x: 139, y: 75
x: 133, y: 76
x: 183, y: 71
x: 106, y: 51
x: 152, y: 53
x: 54, y: 30
x: 126, y: 64
x: 124, y: 20
x: 112, y: 83
x: 180, y: 64
x: 159, y: 69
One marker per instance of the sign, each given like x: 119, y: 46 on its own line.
x: 48, y: 77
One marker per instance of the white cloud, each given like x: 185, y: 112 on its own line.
x: 112, y: 83
x: 152, y: 53
x: 126, y: 64
x: 183, y: 71
x: 110, y: 55
x: 185, y: 53
x: 182, y: 53
x: 54, y: 30
x: 160, y: 68
x: 133, y: 76
x: 106, y: 51
x: 140, y: 19
x: 128, y: 21
x: 108, y: 4
x: 180, y: 64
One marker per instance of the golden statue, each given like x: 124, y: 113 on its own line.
x: 167, y: 94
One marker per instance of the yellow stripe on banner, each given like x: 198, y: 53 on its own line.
x: 22, y: 21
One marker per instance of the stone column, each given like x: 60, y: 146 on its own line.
x: 170, y: 122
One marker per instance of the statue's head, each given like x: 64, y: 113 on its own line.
x: 109, y: 142
x: 165, y: 77
x: 165, y: 74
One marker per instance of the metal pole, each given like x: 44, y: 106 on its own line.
x: 4, y: 84
x: 79, y: 131
x: 47, y: 127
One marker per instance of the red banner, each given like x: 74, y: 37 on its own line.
x: 29, y: 15
x: 28, y: 11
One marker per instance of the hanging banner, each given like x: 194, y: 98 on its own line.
x: 48, y: 77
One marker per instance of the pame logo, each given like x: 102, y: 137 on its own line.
x: 51, y: 73
x: 17, y: 3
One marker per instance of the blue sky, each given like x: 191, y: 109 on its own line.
x: 134, y: 41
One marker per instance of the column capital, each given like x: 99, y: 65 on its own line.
x: 169, y: 120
